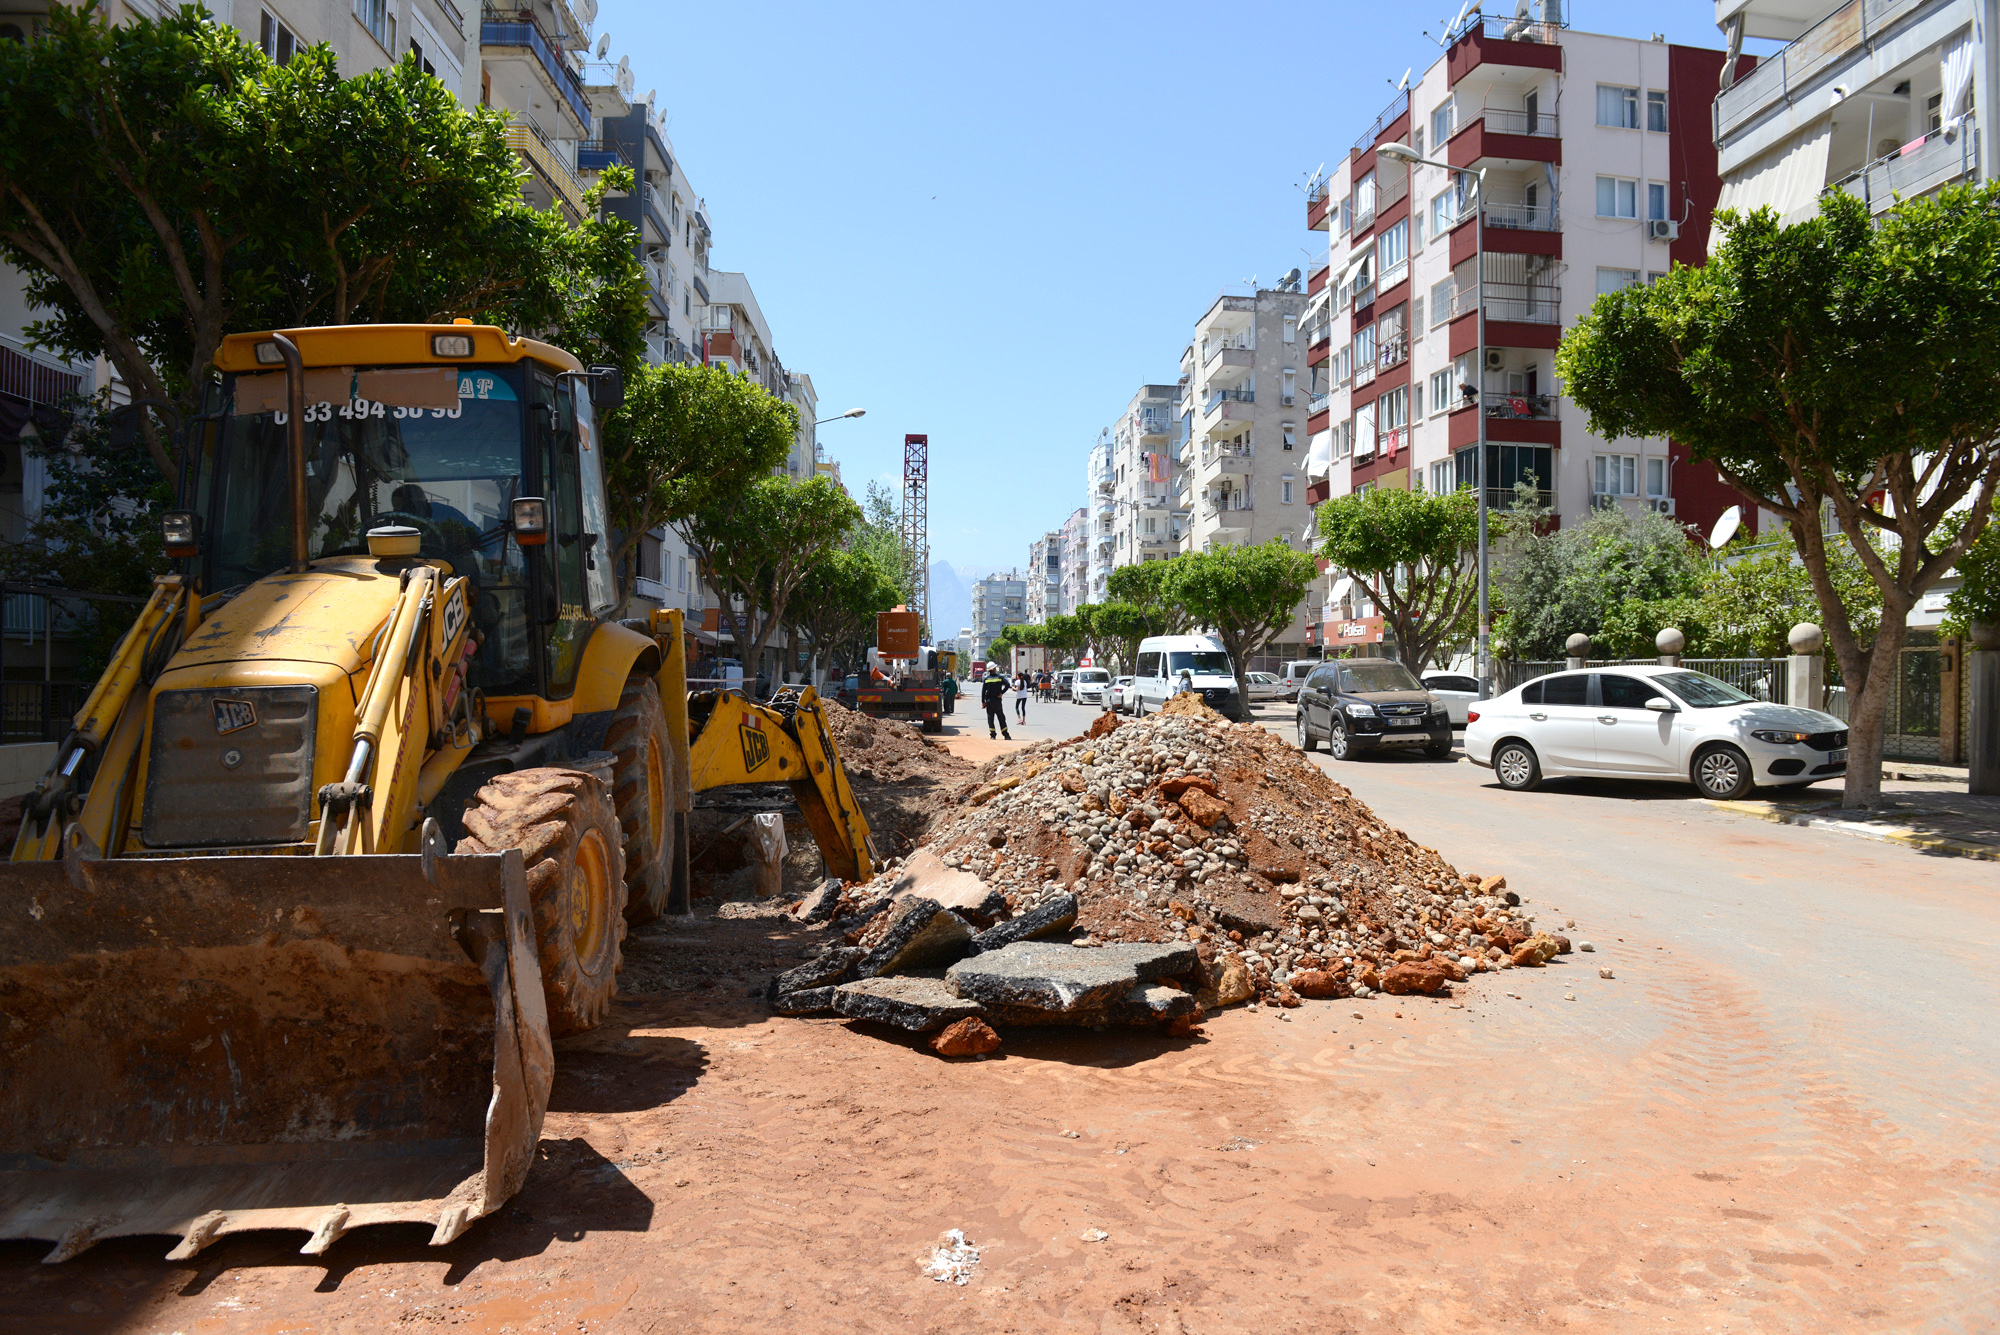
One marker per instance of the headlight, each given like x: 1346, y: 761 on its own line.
x: 1780, y: 738
x: 1356, y: 709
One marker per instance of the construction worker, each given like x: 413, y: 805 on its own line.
x: 949, y: 689
x: 993, y: 694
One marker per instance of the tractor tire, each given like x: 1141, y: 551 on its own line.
x: 563, y: 823
x: 642, y: 789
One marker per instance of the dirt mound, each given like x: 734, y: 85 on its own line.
x: 900, y: 776
x: 1183, y: 825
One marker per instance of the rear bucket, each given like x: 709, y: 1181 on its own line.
x: 208, y: 1045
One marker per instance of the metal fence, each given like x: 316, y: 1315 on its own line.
x: 39, y: 711
x: 1764, y: 678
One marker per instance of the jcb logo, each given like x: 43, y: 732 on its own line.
x: 756, y: 750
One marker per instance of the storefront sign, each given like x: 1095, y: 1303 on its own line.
x: 1358, y: 630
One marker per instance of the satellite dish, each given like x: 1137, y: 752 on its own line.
x: 603, y: 46
x: 1403, y: 86
x: 1726, y: 526
x: 649, y: 96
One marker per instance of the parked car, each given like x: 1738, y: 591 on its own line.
x: 1163, y: 659
x: 1295, y: 674
x: 1358, y: 705
x: 1263, y: 686
x: 1121, y: 694
x: 1063, y: 680
x: 849, y: 690
x: 1652, y: 722
x: 1457, y: 692
x: 1090, y: 686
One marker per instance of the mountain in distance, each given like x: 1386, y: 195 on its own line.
x: 951, y: 602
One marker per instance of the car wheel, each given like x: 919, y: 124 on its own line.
x: 1515, y: 765
x: 1138, y: 706
x: 1338, y: 744
x: 1307, y: 742
x: 1723, y: 773
x: 1438, y: 750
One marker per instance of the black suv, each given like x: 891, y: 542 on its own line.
x: 1360, y: 704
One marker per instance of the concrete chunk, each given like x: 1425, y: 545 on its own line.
x: 925, y: 876
x: 1051, y: 976
x: 921, y: 934
x: 822, y: 970
x: 821, y: 904
x: 805, y: 1001
x: 1142, y: 1004
x: 921, y: 1005
x: 1057, y: 915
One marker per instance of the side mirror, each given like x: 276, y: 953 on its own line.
x: 607, y: 388
x: 1662, y: 706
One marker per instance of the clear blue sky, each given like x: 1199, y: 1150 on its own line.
x: 993, y: 227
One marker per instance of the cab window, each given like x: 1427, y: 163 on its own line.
x: 1619, y: 692
x: 1570, y: 690
x: 553, y: 420
x: 1149, y: 664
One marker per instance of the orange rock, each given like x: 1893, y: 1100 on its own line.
x: 968, y: 1038
x: 1427, y: 977
x: 1102, y: 724
x: 1175, y: 787
x: 1202, y: 809
x: 1316, y: 985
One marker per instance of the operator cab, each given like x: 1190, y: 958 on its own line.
x: 399, y: 434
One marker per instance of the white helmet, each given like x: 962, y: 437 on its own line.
x: 992, y: 667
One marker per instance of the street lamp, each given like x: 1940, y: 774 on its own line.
x: 1405, y: 154
x: 851, y: 412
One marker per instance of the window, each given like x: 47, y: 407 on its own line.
x: 1285, y: 491
x: 1417, y: 141
x: 1441, y: 477
x: 1441, y: 395
x: 1656, y: 110
x: 1444, y: 211
x: 1617, y: 197
x: 1291, y: 434
x: 1364, y: 431
x: 1934, y: 112
x: 1442, y: 122
x: 279, y: 42
x: 1656, y: 477
x: 1617, y: 691
x: 1612, y: 280
x: 1392, y: 412
x: 1392, y: 252
x: 1656, y: 199
x: 1152, y: 525
x: 1291, y: 329
x: 374, y: 16
x: 1572, y: 688
x: 650, y: 550
x: 1291, y: 386
x: 1618, y: 107
x: 1416, y: 231
x: 1506, y: 467
x: 417, y: 50
x: 1364, y: 196
x: 1615, y: 475
x: 1653, y: 276
x: 1364, y: 346
x: 1441, y: 303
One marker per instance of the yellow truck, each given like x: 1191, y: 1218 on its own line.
x: 354, y: 824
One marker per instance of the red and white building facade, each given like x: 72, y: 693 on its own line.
x: 1600, y: 172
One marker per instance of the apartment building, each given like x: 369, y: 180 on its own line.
x: 1878, y: 98
x: 672, y: 220
x: 1243, y: 463
x: 998, y: 601
x: 1100, y: 486
x: 1143, y: 472
x: 1076, y: 560
x: 1045, y: 577
x: 1599, y: 174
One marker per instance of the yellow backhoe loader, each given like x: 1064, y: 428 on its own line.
x: 355, y: 821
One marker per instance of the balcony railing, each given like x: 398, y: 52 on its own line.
x: 1527, y: 303
x: 1319, y: 403
x: 1214, y: 350
x: 1525, y: 217
x: 1218, y: 510
x: 1521, y: 407
x: 1543, y: 22
x: 597, y: 154
x: 529, y: 143
x: 1914, y: 171
x: 1392, y: 352
x: 1222, y: 396
x: 502, y: 27
x: 1790, y: 73
x: 1364, y: 373
x: 1152, y: 424
x: 1398, y: 104
x: 1501, y: 120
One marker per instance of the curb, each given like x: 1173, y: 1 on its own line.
x: 1818, y: 818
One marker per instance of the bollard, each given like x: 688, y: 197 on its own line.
x: 1805, y: 678
x: 1670, y: 642
x: 1578, y: 646
x: 767, y: 844
x: 1983, y: 752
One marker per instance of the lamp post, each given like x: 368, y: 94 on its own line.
x: 851, y: 412
x: 1405, y: 154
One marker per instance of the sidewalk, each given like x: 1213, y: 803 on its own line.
x: 1920, y: 811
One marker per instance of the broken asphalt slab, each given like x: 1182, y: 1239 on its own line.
x: 918, y: 1004
x: 1053, y: 976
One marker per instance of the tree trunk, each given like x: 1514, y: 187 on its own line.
x: 1868, y: 710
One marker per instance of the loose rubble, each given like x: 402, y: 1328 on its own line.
x: 1145, y: 873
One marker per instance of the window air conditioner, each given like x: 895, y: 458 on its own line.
x: 1495, y: 359
x: 1600, y: 500
x: 1663, y: 229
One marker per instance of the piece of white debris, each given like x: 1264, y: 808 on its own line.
x: 1071, y: 1135
x: 1604, y: 973
x: 952, y: 1260
x: 1569, y: 996
x: 1092, y: 1235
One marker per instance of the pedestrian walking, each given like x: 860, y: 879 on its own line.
x: 1021, y: 689
x: 993, y: 694
x: 949, y: 689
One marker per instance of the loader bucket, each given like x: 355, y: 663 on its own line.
x: 206, y: 1045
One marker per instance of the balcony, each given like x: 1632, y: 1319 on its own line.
x: 1317, y: 492
x: 1520, y: 419
x: 1221, y: 399
x: 1319, y: 205
x: 1399, y: 106
x: 1799, y: 79
x: 556, y: 180
x: 1316, y: 281
x: 1500, y: 136
x: 1228, y: 517
x: 1526, y: 42
x: 1320, y: 351
x: 1364, y: 373
x: 1917, y: 169
x: 1392, y: 352
x: 1154, y: 424
x: 1228, y: 363
x: 595, y: 156
x: 503, y: 30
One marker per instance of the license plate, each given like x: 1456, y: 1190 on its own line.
x: 1837, y: 757
x: 1405, y: 722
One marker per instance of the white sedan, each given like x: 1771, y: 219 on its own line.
x: 1263, y: 686
x: 1121, y: 695
x: 1650, y: 722
x: 1457, y: 694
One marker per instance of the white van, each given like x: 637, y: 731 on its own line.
x: 1162, y: 660
x: 1090, y: 686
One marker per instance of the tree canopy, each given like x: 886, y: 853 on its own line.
x: 1415, y: 553
x: 1244, y: 595
x: 1843, y: 372
x: 758, y: 544
x: 1552, y: 583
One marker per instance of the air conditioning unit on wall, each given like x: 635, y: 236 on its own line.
x: 1663, y: 229
x: 1662, y: 505
x: 1495, y: 359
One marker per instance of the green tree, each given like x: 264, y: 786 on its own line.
x: 834, y: 605
x: 1243, y: 595
x: 1416, y: 555
x: 1744, y: 605
x: 1143, y: 585
x: 1120, y: 626
x: 880, y: 535
x: 1976, y: 600
x: 1551, y: 584
x: 1063, y: 634
x: 689, y: 439
x: 164, y: 183
x: 1844, y: 368
x: 758, y: 545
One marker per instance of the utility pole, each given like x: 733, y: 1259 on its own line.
x: 917, y: 529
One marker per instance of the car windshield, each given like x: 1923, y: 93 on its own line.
x: 1208, y: 661
x: 1096, y: 677
x: 1361, y: 678
x: 1698, y: 690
